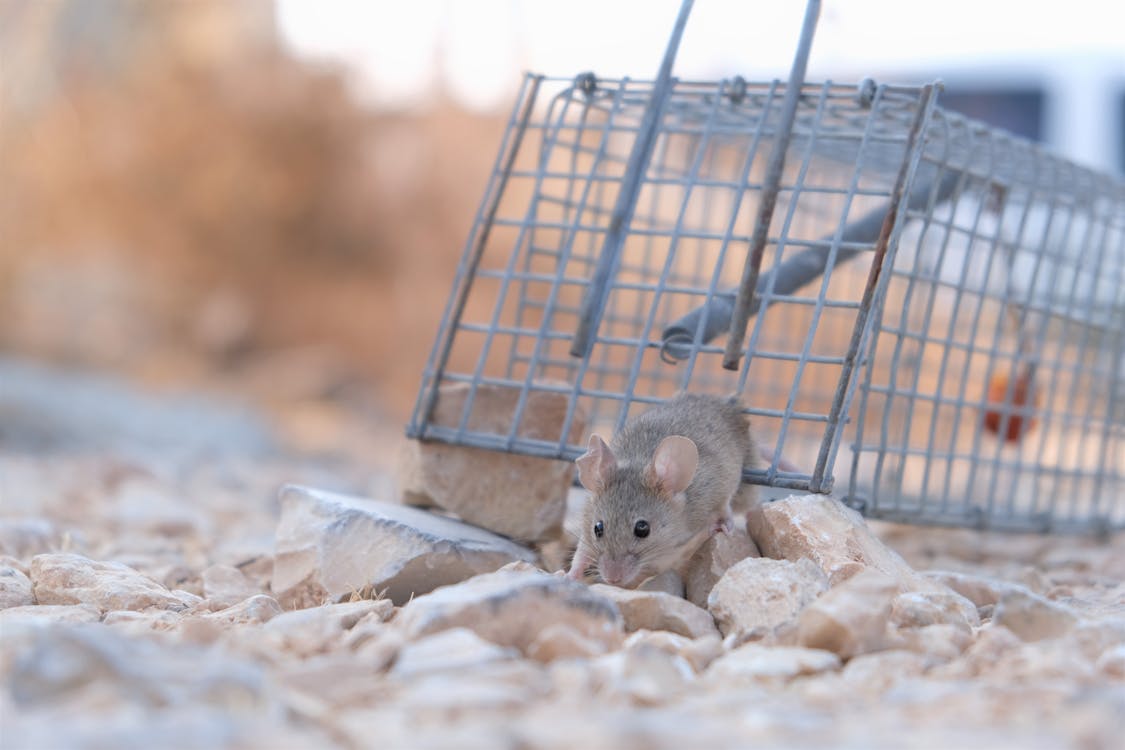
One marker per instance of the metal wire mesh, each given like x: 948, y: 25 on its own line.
x: 913, y: 258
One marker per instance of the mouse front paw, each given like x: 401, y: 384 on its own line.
x: 723, y: 525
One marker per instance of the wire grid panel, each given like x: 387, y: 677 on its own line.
x: 542, y: 226
x: 995, y: 394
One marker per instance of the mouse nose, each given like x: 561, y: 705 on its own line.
x: 614, y: 572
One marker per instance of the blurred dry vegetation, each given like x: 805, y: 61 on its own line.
x: 184, y: 202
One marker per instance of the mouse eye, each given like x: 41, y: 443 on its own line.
x: 641, y: 529
x: 599, y: 529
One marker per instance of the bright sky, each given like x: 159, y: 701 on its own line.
x: 399, y: 48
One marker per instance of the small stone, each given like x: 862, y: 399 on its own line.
x: 257, y: 609
x: 73, y: 579
x: 142, y: 623
x: 668, y: 582
x: 642, y: 676
x: 752, y: 662
x: 830, y: 534
x: 1112, y: 662
x: 980, y: 590
x: 876, y: 672
x: 511, y: 607
x: 939, y: 643
x: 563, y: 642
x: 698, y: 652
x: 331, y: 546
x: 915, y: 609
x: 759, y: 595
x: 15, y: 588
x: 850, y: 619
x: 317, y: 630
x: 1033, y: 617
x: 654, y: 610
x: 717, y: 555
x: 989, y: 647
x: 521, y: 497
x: 47, y: 614
x: 449, y: 650
x: 226, y: 585
x: 24, y: 538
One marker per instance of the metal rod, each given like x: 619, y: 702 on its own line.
x: 895, y: 212
x: 598, y: 293
x: 791, y: 275
x: 772, y: 184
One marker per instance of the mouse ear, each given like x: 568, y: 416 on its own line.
x: 595, y: 464
x: 673, y: 464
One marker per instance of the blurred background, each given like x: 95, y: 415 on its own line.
x: 266, y: 199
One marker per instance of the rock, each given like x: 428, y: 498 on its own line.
x: 850, y: 619
x: 759, y: 595
x: 1033, y: 617
x: 989, y: 647
x: 142, y: 623
x: 226, y: 585
x: 668, y: 582
x: 915, y: 609
x: 316, y: 629
x: 64, y: 662
x: 257, y: 609
x: 756, y: 662
x: 939, y: 643
x: 15, y: 588
x: 511, y: 607
x: 830, y: 534
x: 980, y: 590
x: 23, y: 538
x: 330, y: 546
x: 519, y: 496
x: 72, y: 579
x: 47, y: 614
x: 1112, y: 662
x: 564, y: 642
x: 455, y: 649
x: 717, y: 555
x: 654, y: 610
x: 645, y: 675
x: 698, y: 652
x: 876, y: 672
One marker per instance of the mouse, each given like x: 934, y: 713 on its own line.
x: 661, y: 488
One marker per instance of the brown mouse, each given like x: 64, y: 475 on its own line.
x: 662, y: 488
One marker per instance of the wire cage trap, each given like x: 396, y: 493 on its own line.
x: 922, y: 314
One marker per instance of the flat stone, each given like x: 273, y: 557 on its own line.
x: 511, y: 607
x: 754, y: 662
x: 850, y: 619
x: 876, y: 672
x: 1033, y: 617
x: 938, y: 643
x: 15, y: 588
x: 717, y: 555
x: 62, y: 578
x: 519, y: 496
x: 759, y: 595
x: 655, y: 610
x: 330, y: 546
x: 455, y: 649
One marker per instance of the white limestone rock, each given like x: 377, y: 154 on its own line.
x: 656, y: 610
x: 330, y: 546
x: 1033, y: 617
x: 712, y: 560
x: 850, y: 619
x: 759, y: 595
x: 511, y: 607
x: 455, y: 649
x: 15, y: 588
x: 226, y: 585
x: 62, y: 578
x: 755, y: 662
